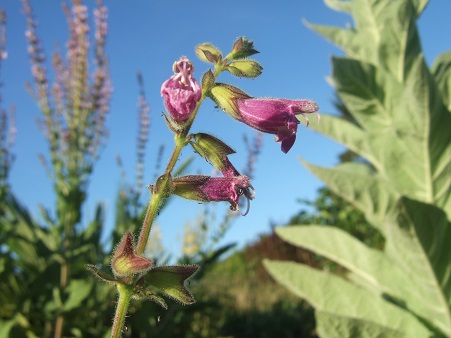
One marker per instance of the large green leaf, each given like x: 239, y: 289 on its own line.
x: 419, y: 243
x: 402, y: 115
x: 414, y: 270
x: 365, y: 190
x: 332, y: 294
x: 404, y: 127
x: 377, y: 269
x: 384, y: 33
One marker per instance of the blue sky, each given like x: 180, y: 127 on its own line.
x: 148, y: 36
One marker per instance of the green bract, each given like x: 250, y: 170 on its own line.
x: 170, y: 281
x: 225, y: 97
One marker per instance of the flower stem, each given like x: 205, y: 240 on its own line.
x: 157, y: 197
x: 125, y: 295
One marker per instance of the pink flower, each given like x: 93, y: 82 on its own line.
x: 181, y: 92
x: 214, y: 189
x: 275, y: 116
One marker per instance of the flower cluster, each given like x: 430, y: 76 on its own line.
x: 135, y: 274
x: 276, y: 116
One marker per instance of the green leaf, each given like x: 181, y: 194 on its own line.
x: 332, y: 325
x: 171, y: 281
x: 374, y: 267
x: 395, y: 273
x: 335, y: 295
x: 368, y: 192
x: 441, y: 70
x: 78, y: 290
x: 419, y: 244
x: 102, y: 275
x: 404, y: 128
x: 6, y: 326
x: 339, y: 5
x: 384, y: 33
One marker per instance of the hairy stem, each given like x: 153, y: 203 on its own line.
x: 157, y: 197
x: 125, y: 295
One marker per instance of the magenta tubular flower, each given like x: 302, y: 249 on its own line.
x: 214, y: 189
x: 275, y: 116
x: 181, y: 92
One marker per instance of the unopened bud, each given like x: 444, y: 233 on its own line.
x: 242, y: 48
x: 245, y: 68
x: 125, y: 262
x: 208, y: 53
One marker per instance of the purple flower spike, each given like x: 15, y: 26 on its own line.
x: 276, y: 116
x: 181, y: 92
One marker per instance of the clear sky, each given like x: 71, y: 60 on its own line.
x: 148, y: 36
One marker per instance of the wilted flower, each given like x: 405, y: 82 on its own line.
x: 214, y: 189
x: 275, y: 116
x: 181, y: 92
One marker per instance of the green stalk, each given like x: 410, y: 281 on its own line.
x: 157, y: 197
x: 125, y: 295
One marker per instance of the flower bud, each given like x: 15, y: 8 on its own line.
x: 125, y: 262
x: 208, y: 53
x: 242, y: 48
x: 245, y: 68
x: 181, y: 92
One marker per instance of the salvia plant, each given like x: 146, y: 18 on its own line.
x: 134, y: 273
x: 403, y: 116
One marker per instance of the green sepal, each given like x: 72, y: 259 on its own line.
x: 225, y: 97
x: 163, y: 185
x: 102, y: 275
x: 189, y: 187
x: 245, y: 68
x: 208, y: 53
x: 212, y: 149
x: 170, y: 281
x: 208, y: 81
x: 141, y: 293
x: 242, y: 48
